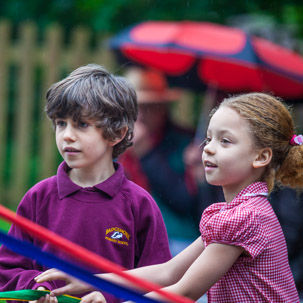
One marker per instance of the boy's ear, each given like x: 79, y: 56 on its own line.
x: 119, y: 138
x: 263, y: 157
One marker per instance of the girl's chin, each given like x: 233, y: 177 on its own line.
x: 213, y: 182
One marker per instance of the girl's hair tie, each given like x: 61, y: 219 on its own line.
x: 296, y: 140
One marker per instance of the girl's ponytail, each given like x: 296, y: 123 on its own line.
x: 290, y: 173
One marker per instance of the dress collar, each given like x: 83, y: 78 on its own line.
x: 252, y: 190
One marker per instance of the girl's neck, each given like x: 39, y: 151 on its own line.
x: 231, y: 193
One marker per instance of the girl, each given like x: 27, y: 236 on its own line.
x: 241, y: 255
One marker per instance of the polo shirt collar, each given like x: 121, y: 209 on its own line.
x: 110, y: 186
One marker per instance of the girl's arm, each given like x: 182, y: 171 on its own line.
x: 163, y: 274
x: 201, y: 275
x: 205, y: 271
x: 190, y: 274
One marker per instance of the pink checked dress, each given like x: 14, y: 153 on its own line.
x: 250, y: 222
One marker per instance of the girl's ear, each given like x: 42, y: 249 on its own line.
x: 263, y: 157
x: 118, y: 139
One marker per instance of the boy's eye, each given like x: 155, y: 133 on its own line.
x: 60, y: 123
x: 83, y: 124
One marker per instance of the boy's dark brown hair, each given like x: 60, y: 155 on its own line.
x: 91, y: 92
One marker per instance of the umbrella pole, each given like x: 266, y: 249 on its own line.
x: 209, y: 102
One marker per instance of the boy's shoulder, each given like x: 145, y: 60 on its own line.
x: 136, y: 193
x: 134, y: 189
x: 38, y: 194
x: 45, y: 186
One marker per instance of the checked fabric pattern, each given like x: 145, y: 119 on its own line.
x: 248, y: 221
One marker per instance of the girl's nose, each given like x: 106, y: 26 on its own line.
x: 209, y: 148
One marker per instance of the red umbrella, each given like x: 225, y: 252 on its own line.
x: 195, y: 54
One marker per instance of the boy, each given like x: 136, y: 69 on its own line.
x: 90, y: 201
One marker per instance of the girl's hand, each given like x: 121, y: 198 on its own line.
x: 93, y: 297
x: 46, y: 299
x: 73, y: 285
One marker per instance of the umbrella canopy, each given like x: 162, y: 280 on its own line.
x: 195, y: 54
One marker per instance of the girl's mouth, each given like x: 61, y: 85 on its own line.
x: 209, y: 164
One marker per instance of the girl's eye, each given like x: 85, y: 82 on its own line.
x: 206, y: 141
x: 225, y: 141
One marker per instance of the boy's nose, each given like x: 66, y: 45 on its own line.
x: 69, y: 133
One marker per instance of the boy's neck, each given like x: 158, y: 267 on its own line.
x: 90, y: 178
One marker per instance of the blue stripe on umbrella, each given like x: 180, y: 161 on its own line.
x: 28, y: 250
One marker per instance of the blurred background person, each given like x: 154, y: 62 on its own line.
x: 156, y: 160
x: 288, y: 206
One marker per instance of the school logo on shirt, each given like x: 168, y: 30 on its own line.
x: 117, y: 235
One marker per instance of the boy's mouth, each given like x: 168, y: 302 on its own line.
x: 70, y: 150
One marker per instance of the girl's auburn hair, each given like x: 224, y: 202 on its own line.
x: 272, y: 125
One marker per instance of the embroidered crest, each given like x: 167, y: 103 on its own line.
x: 117, y: 235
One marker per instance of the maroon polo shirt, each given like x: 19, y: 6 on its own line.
x: 116, y: 219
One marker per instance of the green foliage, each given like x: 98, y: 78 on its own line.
x: 293, y: 14
x: 112, y: 16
